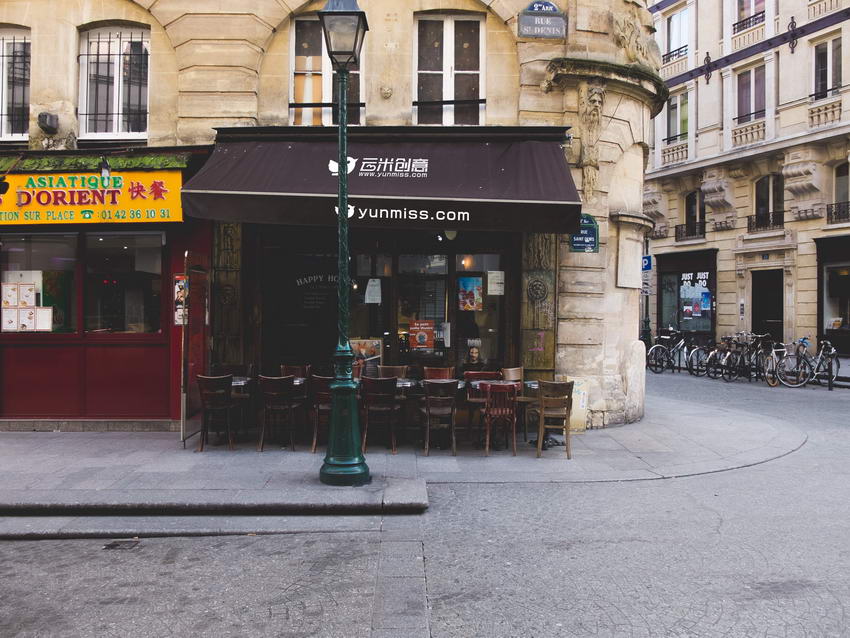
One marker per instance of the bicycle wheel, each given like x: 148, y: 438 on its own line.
x: 769, y: 371
x: 823, y: 370
x: 697, y: 362
x: 657, y: 358
x: 713, y: 366
x: 730, y: 365
x: 793, y: 371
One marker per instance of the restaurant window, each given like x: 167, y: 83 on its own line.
x: 677, y: 30
x: 449, y: 86
x: 123, y: 282
x: 677, y: 118
x: 38, y: 275
x: 114, y: 83
x: 836, y: 303
x: 314, y: 82
x: 422, y: 283
x: 750, y: 95
x: 827, y: 68
x: 14, y: 83
x: 480, y: 299
x: 686, y: 300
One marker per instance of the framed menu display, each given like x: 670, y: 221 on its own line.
x: 26, y: 319
x: 44, y: 319
x: 26, y: 295
x: 10, y: 319
x: 10, y: 295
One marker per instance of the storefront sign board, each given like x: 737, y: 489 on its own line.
x: 542, y: 20
x: 587, y: 238
x: 52, y: 199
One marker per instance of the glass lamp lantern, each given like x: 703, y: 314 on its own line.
x: 344, y: 26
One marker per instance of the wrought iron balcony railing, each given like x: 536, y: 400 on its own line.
x: 773, y: 220
x: 681, y: 137
x: 690, y: 230
x: 838, y: 213
x: 675, y: 54
x: 746, y: 23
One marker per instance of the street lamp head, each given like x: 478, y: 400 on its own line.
x: 344, y: 26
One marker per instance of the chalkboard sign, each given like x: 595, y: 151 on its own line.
x: 587, y: 238
x: 542, y: 20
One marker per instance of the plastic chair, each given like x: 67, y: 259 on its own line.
x: 499, y: 406
x: 320, y: 398
x: 379, y: 399
x: 555, y: 402
x: 216, y: 399
x: 438, y: 373
x: 279, y: 398
x: 440, y: 404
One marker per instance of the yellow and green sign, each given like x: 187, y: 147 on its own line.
x: 89, y: 198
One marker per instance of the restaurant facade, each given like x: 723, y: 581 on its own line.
x: 496, y: 179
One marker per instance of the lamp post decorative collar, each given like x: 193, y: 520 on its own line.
x: 344, y: 26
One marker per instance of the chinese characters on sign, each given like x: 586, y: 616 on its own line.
x: 81, y: 198
x: 393, y: 167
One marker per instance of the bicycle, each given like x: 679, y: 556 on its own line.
x: 798, y: 368
x: 660, y: 357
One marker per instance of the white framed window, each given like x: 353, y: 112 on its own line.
x: 751, y: 96
x: 677, y: 118
x: 842, y: 183
x: 827, y: 68
x: 449, y: 79
x: 14, y: 84
x: 677, y: 31
x: 114, y: 87
x: 749, y: 8
x: 313, y: 80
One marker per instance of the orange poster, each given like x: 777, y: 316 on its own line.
x: 422, y: 334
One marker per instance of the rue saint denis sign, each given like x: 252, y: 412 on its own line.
x: 542, y: 20
x: 88, y: 198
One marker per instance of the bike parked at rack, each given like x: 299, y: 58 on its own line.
x: 797, y: 367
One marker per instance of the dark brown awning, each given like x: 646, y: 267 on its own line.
x: 483, y: 178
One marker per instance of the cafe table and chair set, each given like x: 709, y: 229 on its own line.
x: 492, y: 399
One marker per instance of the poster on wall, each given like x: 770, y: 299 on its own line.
x: 368, y: 355
x: 422, y: 334
x: 10, y: 319
x: 687, y: 312
x: 696, y: 309
x: 373, y: 291
x: 181, y: 292
x: 44, y: 319
x: 470, y: 293
x: 26, y: 319
x: 495, y: 282
x: 10, y: 295
x: 26, y: 295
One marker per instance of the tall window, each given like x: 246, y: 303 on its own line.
x: 827, y: 68
x: 750, y: 95
x: 677, y: 118
x: 449, y: 74
x: 314, y: 82
x: 694, y: 208
x: 770, y: 195
x: 677, y: 30
x: 749, y: 8
x: 14, y: 83
x: 114, y: 83
x: 842, y: 185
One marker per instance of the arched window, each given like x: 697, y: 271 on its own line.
x: 14, y: 83
x: 769, y: 203
x: 114, y: 83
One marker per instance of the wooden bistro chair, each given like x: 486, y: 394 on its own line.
x: 279, y: 401
x: 320, y: 399
x: 243, y: 396
x: 302, y: 371
x: 475, y: 397
x: 393, y: 371
x: 380, y: 400
x: 499, y: 407
x: 216, y: 399
x: 438, y: 373
x: 518, y: 375
x: 554, y: 403
x: 440, y: 405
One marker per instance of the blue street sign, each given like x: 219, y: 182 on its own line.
x: 647, y: 263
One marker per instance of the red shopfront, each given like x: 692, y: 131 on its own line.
x: 88, y: 266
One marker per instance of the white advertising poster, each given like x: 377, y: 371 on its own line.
x: 10, y: 319
x: 26, y: 295
x: 44, y: 319
x: 495, y: 282
x: 10, y: 295
x: 26, y: 319
x: 373, y: 291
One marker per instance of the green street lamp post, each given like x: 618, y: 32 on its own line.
x: 344, y: 26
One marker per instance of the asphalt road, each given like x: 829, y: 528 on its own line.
x: 759, y: 551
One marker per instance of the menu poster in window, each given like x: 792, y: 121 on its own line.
x: 373, y: 291
x: 181, y: 293
x: 10, y: 295
x: 495, y: 282
x: 44, y: 319
x: 422, y: 334
x: 687, y: 312
x: 26, y: 319
x: 367, y: 350
x: 470, y: 293
x: 10, y: 319
x: 26, y: 295
x: 696, y: 309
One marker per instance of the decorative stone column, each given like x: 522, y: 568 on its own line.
x: 607, y: 88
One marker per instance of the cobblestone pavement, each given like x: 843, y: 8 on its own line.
x: 757, y: 551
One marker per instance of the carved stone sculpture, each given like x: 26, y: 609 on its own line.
x: 632, y: 31
x: 591, y: 100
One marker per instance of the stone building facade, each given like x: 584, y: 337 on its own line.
x: 748, y: 180
x: 230, y: 64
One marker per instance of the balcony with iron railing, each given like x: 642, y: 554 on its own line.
x: 773, y: 220
x: 675, y: 54
x: 748, y: 22
x: 690, y: 230
x: 838, y: 213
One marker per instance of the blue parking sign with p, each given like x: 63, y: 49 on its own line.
x: 647, y: 262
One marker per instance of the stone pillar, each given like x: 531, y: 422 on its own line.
x: 693, y: 39
x: 729, y: 17
x: 728, y: 108
x: 769, y: 94
x: 692, y: 118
